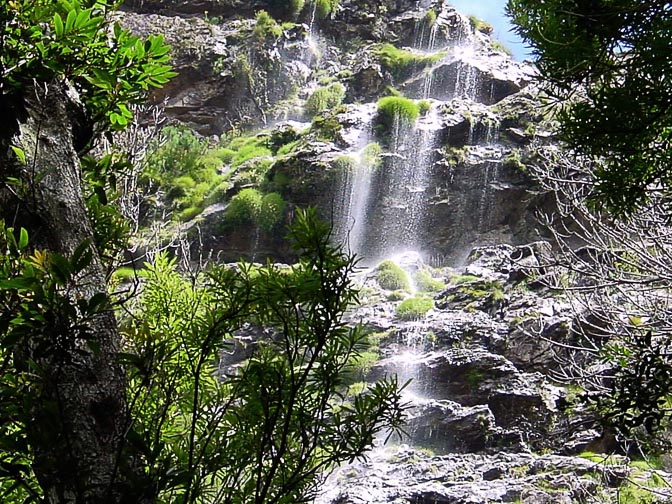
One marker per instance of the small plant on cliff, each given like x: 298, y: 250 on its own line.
x: 392, y: 277
x: 424, y: 106
x: 325, y: 98
x: 271, y: 212
x: 371, y: 155
x: 414, y: 308
x: 393, y: 109
x: 266, y: 27
x: 399, y: 62
x: 430, y: 17
x: 244, y: 207
x: 324, y: 8
x: 480, y: 25
x: 426, y: 283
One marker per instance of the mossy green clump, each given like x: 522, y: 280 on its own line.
x: 251, y: 207
x: 391, y: 276
x: 426, y: 283
x: 424, y: 106
x: 461, y: 279
x: 430, y: 18
x: 271, y: 212
x: 480, y: 25
x: 325, y: 98
x: 266, y: 27
x: 371, y: 155
x: 244, y: 207
x: 414, y: 308
x: 393, y: 109
x: 296, y: 6
x: 401, y: 62
x: 324, y: 8
x: 344, y: 164
x: 499, y: 46
x: 186, y: 169
x: 326, y: 126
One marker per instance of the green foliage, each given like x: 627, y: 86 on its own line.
x: 480, y: 25
x: 250, y: 206
x: 397, y: 110
x: 324, y: 8
x: 265, y: 433
x: 424, y: 106
x: 326, y: 126
x: 615, y: 52
x: 430, y: 17
x: 266, y: 27
x: 630, y: 406
x: 426, y: 283
x: 186, y: 169
x: 38, y: 313
x: 325, y: 98
x: 371, y: 155
x: 271, y: 211
x: 344, y: 164
x: 401, y: 62
x: 244, y: 207
x: 111, y: 67
x: 414, y: 308
x: 392, y: 277
x: 499, y: 46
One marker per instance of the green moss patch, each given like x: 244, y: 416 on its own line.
x: 414, y: 308
x: 391, y: 276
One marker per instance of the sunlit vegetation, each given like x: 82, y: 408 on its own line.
x: 325, y: 98
x: 397, y: 110
x: 414, y: 308
x: 391, y: 276
x: 400, y: 62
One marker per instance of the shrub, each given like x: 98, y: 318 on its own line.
x: 425, y: 283
x: 424, y: 106
x: 287, y: 148
x: 391, y: 276
x: 249, y: 152
x: 395, y: 108
x: 295, y: 7
x: 325, y: 7
x: 326, y: 127
x: 271, y: 211
x: 179, y: 154
x: 430, y: 17
x: 400, y: 62
x: 371, y: 155
x: 281, y: 137
x: 325, y: 98
x: 414, y: 308
x: 344, y: 164
x: 266, y: 27
x: 244, y: 207
x: 480, y: 25
x: 498, y: 46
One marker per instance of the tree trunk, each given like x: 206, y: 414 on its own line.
x: 80, y: 418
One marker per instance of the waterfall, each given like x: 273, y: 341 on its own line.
x: 407, y: 180
x: 355, y: 181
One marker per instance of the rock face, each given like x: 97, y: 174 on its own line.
x: 450, y: 185
x: 471, y: 144
x: 483, y: 405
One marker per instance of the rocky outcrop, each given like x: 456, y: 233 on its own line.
x: 407, y: 475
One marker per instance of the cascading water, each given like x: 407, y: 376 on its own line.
x: 383, y: 212
x: 355, y: 184
x: 406, y: 178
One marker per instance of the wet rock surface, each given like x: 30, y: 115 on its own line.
x: 487, y: 422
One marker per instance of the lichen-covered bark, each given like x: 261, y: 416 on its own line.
x: 80, y: 416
